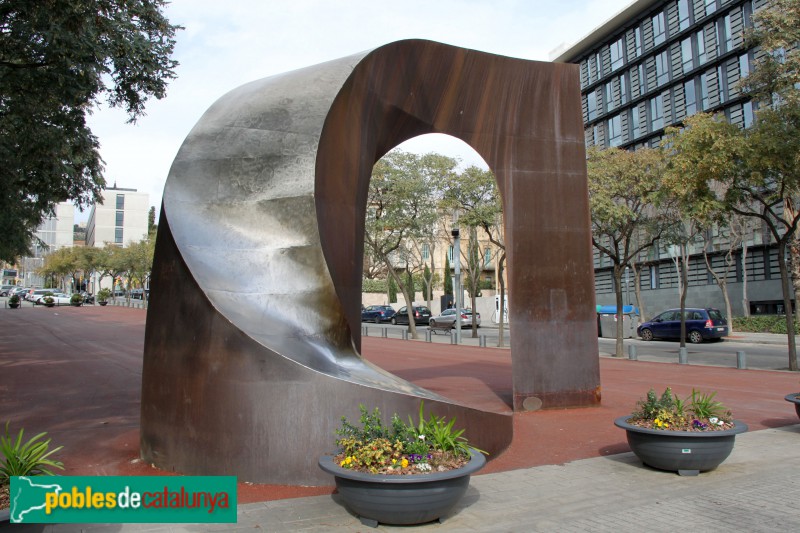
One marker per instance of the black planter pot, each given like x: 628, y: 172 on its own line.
x: 401, y: 500
x: 103, y: 303
x: 795, y: 399
x: 686, y: 452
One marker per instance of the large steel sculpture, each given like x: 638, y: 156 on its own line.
x: 252, y: 347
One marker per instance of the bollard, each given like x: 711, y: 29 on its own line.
x: 482, y: 341
x: 683, y: 356
x: 365, y: 331
x: 453, y: 339
x: 632, y: 352
x: 741, y: 361
x: 428, y: 336
x: 404, y: 334
x: 385, y: 332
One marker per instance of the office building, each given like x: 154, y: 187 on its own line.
x: 121, y: 218
x: 647, y: 68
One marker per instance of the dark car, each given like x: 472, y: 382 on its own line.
x: 701, y: 324
x: 377, y: 313
x: 422, y: 315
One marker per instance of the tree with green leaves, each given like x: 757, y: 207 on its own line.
x: 474, y: 193
x: 448, y: 279
x: 59, y: 58
x: 401, y: 210
x: 138, y: 260
x: 472, y: 268
x: 623, y: 190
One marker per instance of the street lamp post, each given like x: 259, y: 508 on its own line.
x: 627, y: 289
x: 457, y: 282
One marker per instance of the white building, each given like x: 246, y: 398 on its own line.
x: 55, y: 232
x: 120, y: 219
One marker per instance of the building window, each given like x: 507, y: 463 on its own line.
x: 450, y: 253
x: 744, y: 65
x: 120, y: 201
x: 608, y: 96
x: 120, y: 219
x: 636, y: 129
x: 656, y: 113
x: 747, y: 113
x: 642, y: 78
x: 662, y: 68
x: 598, y: 66
x: 623, y: 89
x: 617, y: 58
x: 683, y: 14
x: 637, y: 40
x: 659, y: 29
x: 686, y: 55
x: 725, y: 34
x: 691, y: 97
x: 118, y: 236
x: 711, y: 6
x: 426, y: 252
x: 596, y: 134
x: 700, y: 39
x: 615, y: 131
x: 591, y: 105
x: 653, y: 276
x: 705, y: 102
x: 722, y: 82
x: 487, y: 257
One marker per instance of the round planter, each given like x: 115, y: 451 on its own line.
x: 103, y: 303
x: 795, y: 399
x: 401, y: 500
x: 13, y: 306
x: 53, y: 304
x: 686, y: 452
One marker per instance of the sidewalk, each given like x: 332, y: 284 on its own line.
x: 565, y: 470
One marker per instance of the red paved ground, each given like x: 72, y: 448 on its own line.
x: 76, y: 373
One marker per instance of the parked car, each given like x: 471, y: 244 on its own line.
x: 19, y: 291
x: 701, y: 324
x: 6, y: 289
x: 422, y: 315
x: 59, y: 298
x: 34, y: 294
x: 377, y: 313
x: 450, y: 316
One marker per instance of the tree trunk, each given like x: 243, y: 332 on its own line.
x: 684, y: 285
x: 412, y: 326
x: 619, y: 316
x: 787, y: 303
x: 745, y: 300
x: 722, y: 283
x: 474, y: 315
x: 794, y: 261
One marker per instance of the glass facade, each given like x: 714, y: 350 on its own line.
x: 674, y: 59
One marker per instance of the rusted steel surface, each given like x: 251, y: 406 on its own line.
x: 253, y: 335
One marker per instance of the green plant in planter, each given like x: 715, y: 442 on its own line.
x: 76, y: 299
x: 103, y: 295
x: 30, y: 458
x: 13, y: 300
x: 48, y: 299
x: 698, y: 412
x: 412, y: 448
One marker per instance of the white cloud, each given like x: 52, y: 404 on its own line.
x: 227, y: 44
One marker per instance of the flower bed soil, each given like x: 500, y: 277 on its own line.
x: 690, y: 427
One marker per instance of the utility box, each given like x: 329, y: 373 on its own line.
x: 607, y: 321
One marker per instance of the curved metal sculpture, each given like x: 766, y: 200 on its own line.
x: 253, y: 334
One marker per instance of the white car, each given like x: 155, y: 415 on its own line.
x: 58, y: 299
x: 449, y: 317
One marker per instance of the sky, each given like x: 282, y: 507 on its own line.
x: 226, y: 44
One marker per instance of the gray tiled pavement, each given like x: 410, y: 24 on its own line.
x: 756, y: 490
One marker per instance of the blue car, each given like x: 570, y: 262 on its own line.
x: 377, y: 313
x: 701, y: 324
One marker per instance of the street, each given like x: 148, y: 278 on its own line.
x: 757, y: 355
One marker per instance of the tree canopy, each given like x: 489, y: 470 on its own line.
x: 58, y: 59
